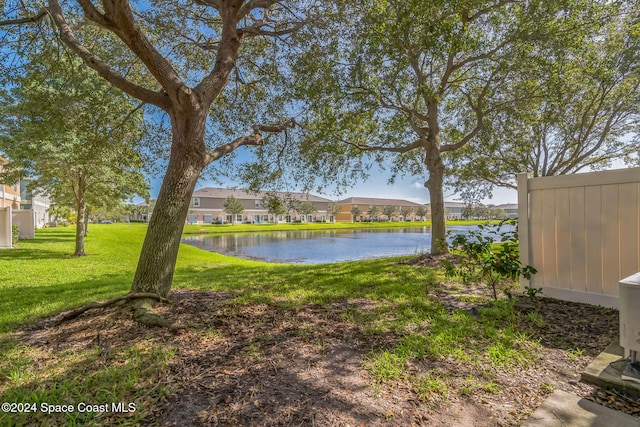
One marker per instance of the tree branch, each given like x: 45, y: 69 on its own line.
x: 106, y: 72
x: 403, y: 149
x: 213, y: 3
x: 94, y: 14
x: 28, y: 20
x: 255, y: 140
x: 479, y: 122
x: 126, y: 28
x: 256, y: 30
x: 246, y: 8
x: 226, y: 56
x: 488, y: 9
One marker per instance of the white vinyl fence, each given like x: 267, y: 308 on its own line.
x: 581, y: 232
x: 5, y: 227
x: 25, y: 220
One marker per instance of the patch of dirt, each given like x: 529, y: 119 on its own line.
x: 429, y: 260
x: 262, y: 365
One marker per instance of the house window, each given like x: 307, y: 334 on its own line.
x: 265, y: 218
x: 257, y: 203
x: 196, y: 201
x: 15, y: 187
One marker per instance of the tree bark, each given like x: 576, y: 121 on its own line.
x: 86, y: 222
x: 81, y: 213
x: 435, y: 184
x: 156, y: 265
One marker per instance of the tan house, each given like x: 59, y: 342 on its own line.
x: 207, y: 207
x: 9, y: 194
x: 403, y: 210
x: 511, y: 209
x: 452, y: 210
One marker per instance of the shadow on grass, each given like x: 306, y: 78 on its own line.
x: 29, y: 254
x: 317, y: 284
x: 26, y: 303
x: 83, y: 377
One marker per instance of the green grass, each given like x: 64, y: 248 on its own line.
x: 127, y: 375
x: 40, y: 278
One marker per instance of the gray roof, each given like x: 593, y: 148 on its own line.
x: 223, y: 193
x: 453, y: 204
x: 375, y: 201
x: 508, y: 206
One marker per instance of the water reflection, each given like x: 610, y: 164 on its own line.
x: 315, y: 247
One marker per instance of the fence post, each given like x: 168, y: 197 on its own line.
x: 523, y: 223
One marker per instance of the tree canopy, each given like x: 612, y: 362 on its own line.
x: 581, y: 111
x: 406, y: 83
x: 74, y: 134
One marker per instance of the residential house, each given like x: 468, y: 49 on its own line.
x: 365, y: 204
x: 452, y: 210
x: 207, y: 206
x: 511, y: 209
x: 35, y: 200
x: 9, y: 194
x: 141, y: 212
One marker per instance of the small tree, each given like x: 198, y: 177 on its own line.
x: 15, y: 234
x: 492, y: 255
x: 233, y: 207
x: 421, y: 212
x: 373, y: 212
x: 355, y: 212
x: 58, y: 129
x: 468, y: 212
x: 275, y: 206
x: 497, y: 213
x: 388, y: 211
x: 334, y: 209
x: 405, y: 212
x: 306, y: 208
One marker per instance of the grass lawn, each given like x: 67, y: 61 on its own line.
x: 388, y: 303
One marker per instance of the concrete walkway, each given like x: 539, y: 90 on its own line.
x: 562, y: 409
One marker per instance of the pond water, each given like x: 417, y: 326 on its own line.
x: 317, y: 247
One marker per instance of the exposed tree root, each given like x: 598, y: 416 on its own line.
x: 72, y: 314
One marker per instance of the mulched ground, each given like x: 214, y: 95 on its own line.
x: 262, y: 365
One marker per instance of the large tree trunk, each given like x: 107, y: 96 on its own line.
x: 81, y: 214
x: 436, y: 194
x: 435, y: 184
x: 157, y: 261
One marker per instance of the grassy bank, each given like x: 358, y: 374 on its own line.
x: 248, y: 228
x: 395, y: 302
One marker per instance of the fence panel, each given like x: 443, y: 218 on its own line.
x: 581, y: 232
x: 25, y: 220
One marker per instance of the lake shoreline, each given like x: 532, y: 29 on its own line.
x: 322, y: 246
x: 203, y: 229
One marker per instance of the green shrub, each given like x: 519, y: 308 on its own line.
x: 492, y: 256
x: 15, y: 233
